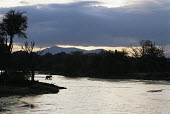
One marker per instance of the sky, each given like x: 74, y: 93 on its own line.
x: 95, y: 23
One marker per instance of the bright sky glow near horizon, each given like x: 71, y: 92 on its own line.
x: 106, y: 3
x: 95, y: 47
x: 93, y: 24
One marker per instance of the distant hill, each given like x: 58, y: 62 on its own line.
x: 55, y: 49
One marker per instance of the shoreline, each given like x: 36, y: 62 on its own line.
x: 35, y: 89
x: 11, y: 95
x: 164, y: 76
x: 7, y: 101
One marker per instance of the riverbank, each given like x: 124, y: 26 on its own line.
x: 34, y: 89
x: 10, y: 94
x: 139, y: 76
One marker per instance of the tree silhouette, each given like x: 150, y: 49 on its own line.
x: 29, y: 51
x: 148, y: 49
x: 13, y: 23
x: 4, y: 54
x: 150, y: 57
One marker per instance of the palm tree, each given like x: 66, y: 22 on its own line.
x: 13, y: 23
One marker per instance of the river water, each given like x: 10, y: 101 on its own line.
x: 98, y: 96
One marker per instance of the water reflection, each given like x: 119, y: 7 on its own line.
x: 86, y: 95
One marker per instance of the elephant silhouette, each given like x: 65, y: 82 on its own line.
x: 48, y: 77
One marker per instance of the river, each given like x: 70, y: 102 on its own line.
x: 98, y: 96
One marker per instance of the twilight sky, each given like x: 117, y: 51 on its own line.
x: 115, y: 23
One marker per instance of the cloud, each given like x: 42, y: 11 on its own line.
x: 82, y: 23
x: 148, y: 6
x: 24, y: 2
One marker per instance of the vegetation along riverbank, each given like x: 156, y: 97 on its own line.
x: 17, y: 74
x: 28, y: 88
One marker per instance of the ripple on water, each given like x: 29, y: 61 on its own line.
x: 101, y: 96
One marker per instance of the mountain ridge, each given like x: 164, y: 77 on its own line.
x: 56, y: 49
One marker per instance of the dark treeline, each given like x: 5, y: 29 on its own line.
x: 148, y: 58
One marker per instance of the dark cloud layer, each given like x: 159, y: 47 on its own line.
x: 80, y: 23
